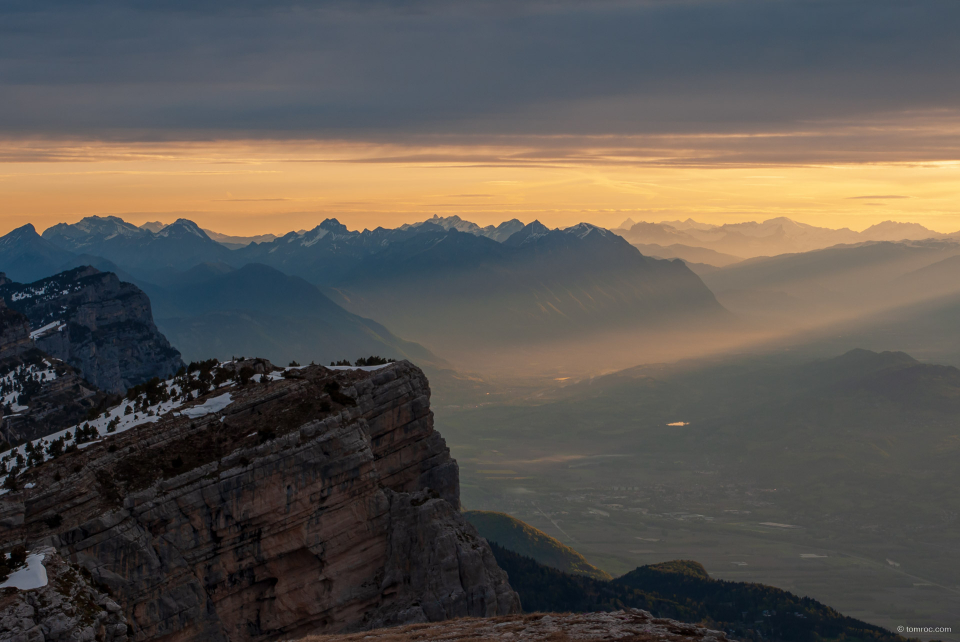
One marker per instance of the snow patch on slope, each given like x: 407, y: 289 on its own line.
x: 32, y: 576
x: 363, y: 368
x: 207, y: 407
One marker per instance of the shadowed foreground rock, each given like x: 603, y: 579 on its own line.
x: 627, y: 626
x: 313, y: 501
x: 67, y: 609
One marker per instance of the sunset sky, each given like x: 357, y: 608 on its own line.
x: 252, y: 116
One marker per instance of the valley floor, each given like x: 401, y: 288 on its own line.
x: 643, y: 503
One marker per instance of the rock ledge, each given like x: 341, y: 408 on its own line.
x: 632, y: 625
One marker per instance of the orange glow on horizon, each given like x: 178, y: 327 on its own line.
x: 247, y: 188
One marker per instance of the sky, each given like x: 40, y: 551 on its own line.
x: 252, y: 116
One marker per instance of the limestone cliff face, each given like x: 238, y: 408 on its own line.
x: 96, y: 323
x: 316, y: 501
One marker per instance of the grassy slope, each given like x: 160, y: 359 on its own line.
x: 524, y: 539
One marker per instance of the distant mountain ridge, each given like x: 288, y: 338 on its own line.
x: 839, y: 280
x: 26, y: 256
x: 178, y: 245
x: 144, y: 247
x: 236, y: 242
x: 688, y: 253
x: 499, y: 232
x: 767, y: 238
x: 230, y: 241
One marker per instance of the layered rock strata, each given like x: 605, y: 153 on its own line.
x: 96, y: 323
x: 312, y: 500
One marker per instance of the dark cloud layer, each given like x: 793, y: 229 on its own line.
x: 405, y: 70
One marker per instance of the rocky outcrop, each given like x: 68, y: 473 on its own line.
x: 67, y: 609
x: 632, y: 625
x: 39, y: 395
x: 96, y: 323
x: 42, y: 395
x: 14, y: 332
x: 307, y: 501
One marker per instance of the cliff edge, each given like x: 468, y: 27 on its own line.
x: 245, y: 502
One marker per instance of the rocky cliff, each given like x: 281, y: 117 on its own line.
x: 96, y: 323
x: 40, y: 395
x: 273, y: 505
x: 14, y: 332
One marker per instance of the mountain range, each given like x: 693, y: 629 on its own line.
x: 177, y: 246
x: 500, y: 232
x: 768, y: 238
x: 839, y: 281
x: 26, y: 256
x: 459, y: 290
x: 468, y: 293
x: 446, y: 283
x: 206, y: 306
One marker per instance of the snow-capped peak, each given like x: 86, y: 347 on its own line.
x: 180, y: 226
x: 107, y: 226
x: 581, y: 230
x: 311, y: 237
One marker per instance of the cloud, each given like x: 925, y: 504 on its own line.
x: 250, y: 200
x: 412, y: 71
x: 876, y: 197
